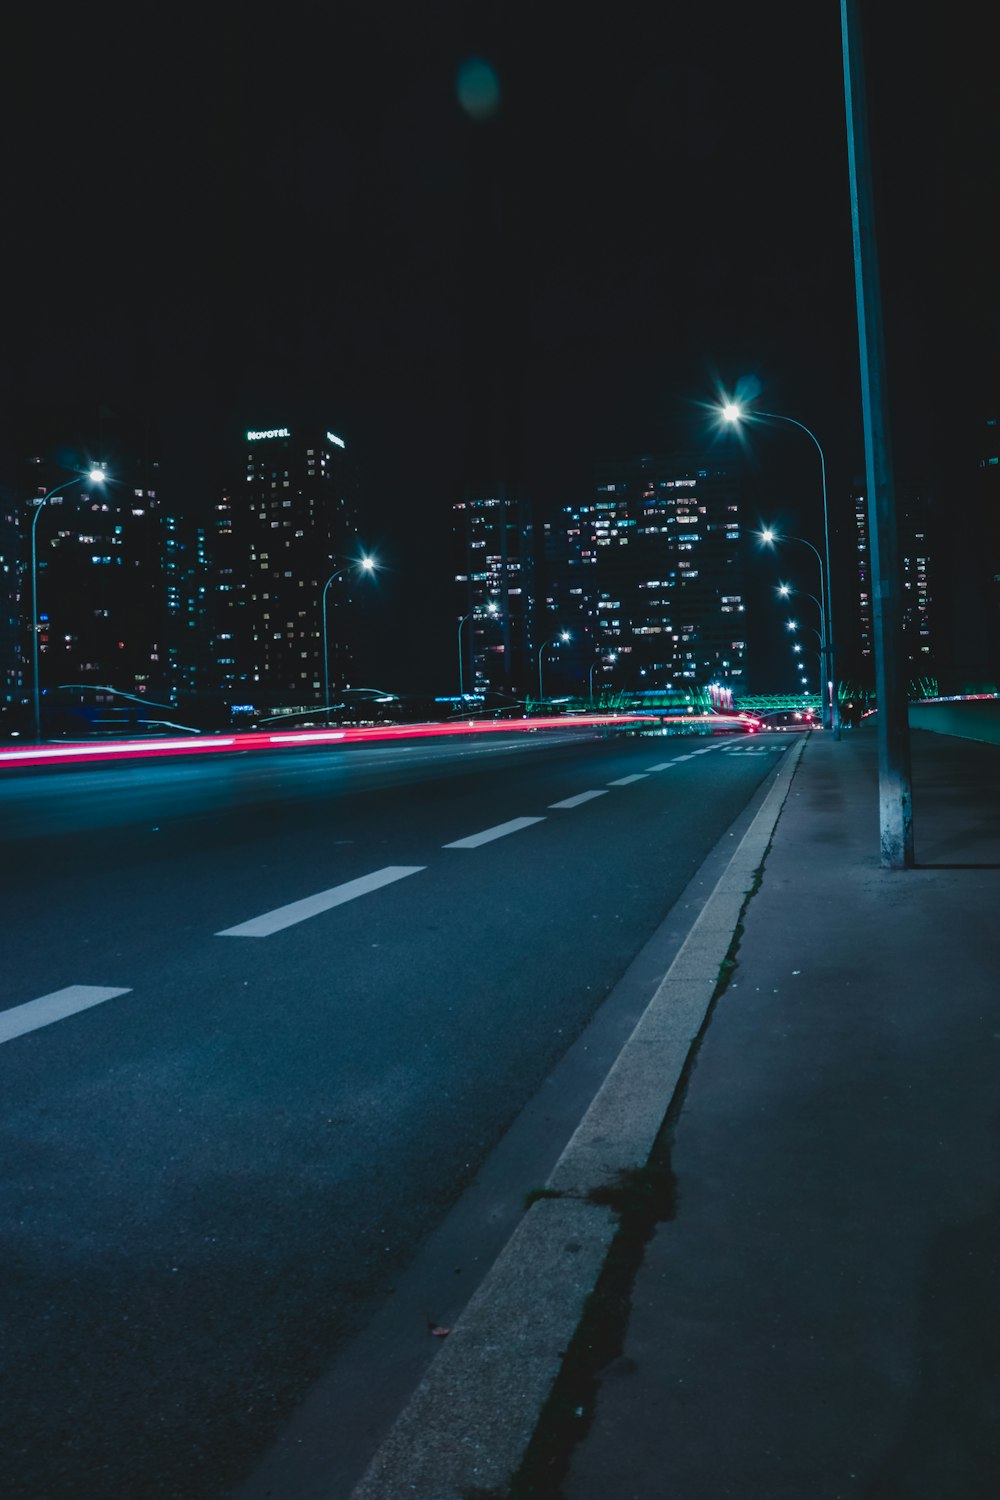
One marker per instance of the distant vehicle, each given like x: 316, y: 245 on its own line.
x: 790, y: 719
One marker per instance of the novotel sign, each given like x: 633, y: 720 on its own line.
x: 253, y: 437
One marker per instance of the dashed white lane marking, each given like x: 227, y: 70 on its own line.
x: 579, y: 799
x: 311, y: 906
x: 489, y: 834
x: 54, y: 1007
x: 664, y: 765
x: 628, y: 780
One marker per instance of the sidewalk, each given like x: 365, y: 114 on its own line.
x: 820, y: 1317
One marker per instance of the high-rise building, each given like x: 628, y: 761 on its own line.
x: 918, y: 641
x: 915, y: 549
x: 187, y: 571
x: 225, y: 584
x: 652, y: 572
x: 496, y: 578
x: 863, y: 562
x: 13, y: 580
x: 989, y: 497
x: 100, y: 599
x: 292, y: 524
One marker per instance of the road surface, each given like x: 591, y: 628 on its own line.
x: 264, y: 1021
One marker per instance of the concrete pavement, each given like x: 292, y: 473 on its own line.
x: 799, y: 1293
x: 821, y: 1314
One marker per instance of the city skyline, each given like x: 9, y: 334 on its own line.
x: 625, y: 225
x: 499, y: 723
x: 204, y: 635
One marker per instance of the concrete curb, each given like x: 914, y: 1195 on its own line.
x: 470, y: 1420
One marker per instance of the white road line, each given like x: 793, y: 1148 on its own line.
x: 312, y: 906
x: 54, y: 1007
x: 628, y: 780
x: 489, y: 834
x: 579, y: 798
x: 664, y: 765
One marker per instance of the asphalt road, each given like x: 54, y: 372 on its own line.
x: 322, y: 997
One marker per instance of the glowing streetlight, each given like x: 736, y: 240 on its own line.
x: 491, y: 610
x: 562, y: 635
x: 365, y: 565
x: 95, y: 476
x: 607, y: 661
x: 732, y: 413
x: 771, y: 538
x: 786, y: 591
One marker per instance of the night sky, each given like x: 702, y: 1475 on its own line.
x: 229, y: 220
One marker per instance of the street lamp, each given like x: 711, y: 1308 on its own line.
x: 786, y: 591
x: 733, y: 413
x: 96, y: 476
x: 367, y: 565
x: 608, y: 660
x: 491, y: 609
x: 770, y: 538
x: 562, y: 635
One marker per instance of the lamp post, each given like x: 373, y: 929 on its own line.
x: 491, y: 609
x: 562, y: 635
x: 96, y: 476
x: 895, y: 786
x: 771, y: 538
x: 612, y: 657
x: 732, y: 412
x: 786, y: 591
x: 367, y: 565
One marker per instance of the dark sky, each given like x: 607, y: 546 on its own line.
x: 231, y: 220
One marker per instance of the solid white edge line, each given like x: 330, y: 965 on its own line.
x: 55, y: 1007
x: 487, y: 836
x: 312, y: 906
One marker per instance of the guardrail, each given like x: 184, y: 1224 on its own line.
x: 967, y: 718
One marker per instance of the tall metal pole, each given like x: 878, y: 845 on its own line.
x: 326, y: 650
x: 828, y: 646
x: 558, y: 637
x: 895, y: 791
x: 36, y: 695
x: 461, y: 681
x: 820, y: 635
